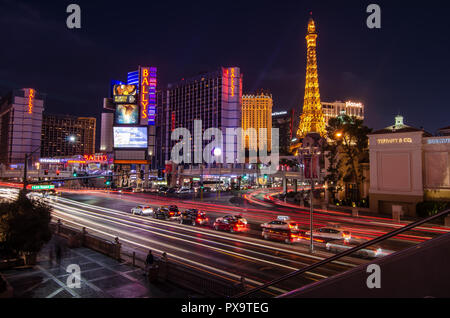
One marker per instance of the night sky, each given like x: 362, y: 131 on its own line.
x: 403, y: 67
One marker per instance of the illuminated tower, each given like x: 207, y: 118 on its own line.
x: 312, y: 119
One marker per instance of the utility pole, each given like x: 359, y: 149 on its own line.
x: 25, y: 183
x: 201, y: 181
x: 311, y: 209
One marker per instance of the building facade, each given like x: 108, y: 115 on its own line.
x: 334, y: 109
x: 284, y: 121
x: 256, y: 114
x: 64, y: 135
x: 214, y: 98
x: 20, y: 126
x: 106, y: 133
x: 407, y: 166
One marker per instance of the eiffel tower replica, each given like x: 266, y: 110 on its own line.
x: 311, y: 119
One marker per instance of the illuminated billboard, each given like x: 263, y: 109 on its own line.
x: 130, y: 137
x: 124, y: 94
x: 127, y: 114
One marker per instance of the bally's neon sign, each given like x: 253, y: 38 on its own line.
x: 97, y: 158
x: 143, y: 92
x: 30, y: 101
x: 232, y: 81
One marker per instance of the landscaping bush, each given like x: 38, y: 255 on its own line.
x: 429, y: 208
x: 24, y: 225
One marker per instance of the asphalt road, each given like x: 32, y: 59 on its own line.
x: 229, y: 255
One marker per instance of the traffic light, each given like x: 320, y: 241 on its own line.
x: 142, y: 174
x: 75, y: 173
x: 108, y: 180
x: 46, y: 172
x: 57, y: 172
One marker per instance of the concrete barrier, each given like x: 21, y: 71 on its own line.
x: 83, y: 238
x: 447, y: 221
x: 169, y: 270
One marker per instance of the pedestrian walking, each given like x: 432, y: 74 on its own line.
x: 58, y: 252
x: 148, y: 262
x: 242, y: 284
x: 50, y: 255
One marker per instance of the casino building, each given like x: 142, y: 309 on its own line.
x: 284, y: 121
x: 214, y: 98
x: 20, y: 126
x: 256, y: 114
x: 65, y: 135
x: 337, y: 108
x: 407, y: 166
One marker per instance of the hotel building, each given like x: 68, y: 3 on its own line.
x: 256, y: 114
x: 284, y: 121
x: 214, y: 98
x: 64, y: 135
x: 337, y: 108
x: 20, y: 125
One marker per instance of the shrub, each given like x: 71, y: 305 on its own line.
x: 429, y: 208
x: 24, y: 226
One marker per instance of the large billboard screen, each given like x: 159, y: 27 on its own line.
x: 127, y: 114
x: 124, y: 94
x: 130, y: 137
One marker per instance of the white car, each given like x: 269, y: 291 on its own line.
x: 281, y: 222
x: 184, y: 190
x: 331, y: 233
x: 142, y: 210
x: 371, y: 251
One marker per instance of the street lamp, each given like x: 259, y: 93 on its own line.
x: 312, y: 148
x: 217, y: 153
x: 25, y: 167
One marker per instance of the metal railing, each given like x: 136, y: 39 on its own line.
x: 342, y: 254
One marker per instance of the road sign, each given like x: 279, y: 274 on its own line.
x: 43, y: 187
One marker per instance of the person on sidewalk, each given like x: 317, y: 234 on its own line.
x: 148, y: 262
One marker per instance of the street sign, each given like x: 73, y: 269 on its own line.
x: 43, y: 187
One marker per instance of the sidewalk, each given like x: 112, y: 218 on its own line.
x: 101, y: 277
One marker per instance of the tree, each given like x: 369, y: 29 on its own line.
x: 24, y: 225
x: 334, y: 174
x: 348, y: 140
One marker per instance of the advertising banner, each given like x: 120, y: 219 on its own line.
x: 125, y: 94
x: 127, y: 114
x: 130, y: 137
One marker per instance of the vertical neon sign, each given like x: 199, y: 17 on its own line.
x: 152, y: 97
x: 232, y: 82
x: 30, y: 101
x: 143, y: 92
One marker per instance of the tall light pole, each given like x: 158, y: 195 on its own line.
x: 25, y: 167
x: 311, y: 209
x: 217, y: 154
